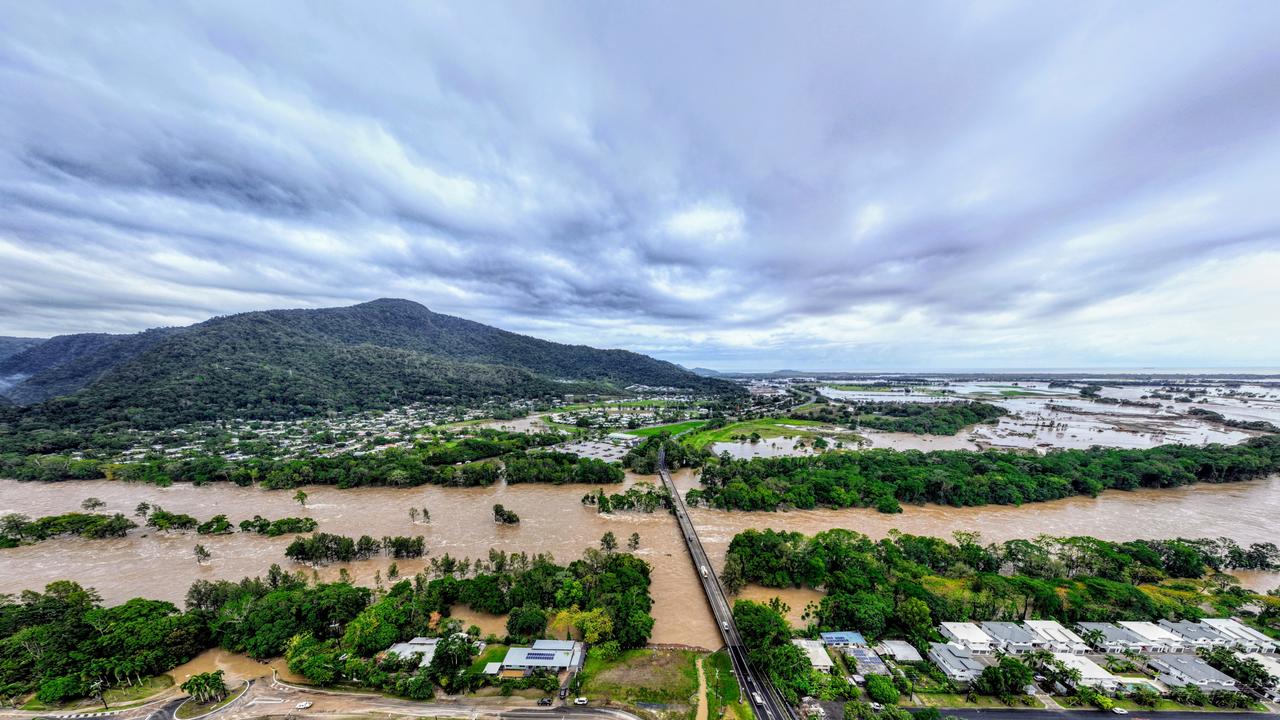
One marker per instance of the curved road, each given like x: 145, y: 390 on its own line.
x: 756, y: 688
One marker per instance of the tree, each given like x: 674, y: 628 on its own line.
x: 608, y: 542
x: 633, y: 542
x: 91, y: 504
x: 881, y: 689
x: 413, y: 514
x: 142, y: 509
x: 301, y: 497
x: 504, y: 516
x: 202, y: 554
x: 527, y: 621
x: 1008, y: 677
x: 915, y: 618
x: 206, y: 687
x: 426, y: 515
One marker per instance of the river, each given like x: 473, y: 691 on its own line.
x: 553, y: 520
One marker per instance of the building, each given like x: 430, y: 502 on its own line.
x: 865, y: 661
x: 843, y: 639
x: 623, y: 439
x: 426, y: 647
x: 1012, y: 638
x: 1196, y: 635
x: 1112, y: 638
x: 899, y: 650
x: 1184, y: 669
x: 968, y: 636
x: 956, y: 662
x: 1243, y: 636
x: 1158, y: 639
x: 1057, y: 638
x: 1091, y: 673
x: 1272, y: 666
x: 551, y: 655
x: 816, y: 652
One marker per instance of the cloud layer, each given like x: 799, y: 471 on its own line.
x: 857, y: 185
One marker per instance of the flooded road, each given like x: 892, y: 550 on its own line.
x: 553, y: 520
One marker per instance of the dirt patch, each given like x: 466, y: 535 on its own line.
x: 702, y: 693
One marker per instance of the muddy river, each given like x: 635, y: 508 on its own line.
x: 553, y: 520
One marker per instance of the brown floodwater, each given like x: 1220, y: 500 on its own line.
x: 553, y: 520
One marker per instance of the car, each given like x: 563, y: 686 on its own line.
x: 302, y: 705
x: 579, y: 701
x: 755, y: 696
x: 877, y: 706
x: 1119, y: 711
x: 564, y: 693
x: 544, y: 701
x: 725, y: 624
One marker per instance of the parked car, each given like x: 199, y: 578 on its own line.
x: 580, y: 701
x: 302, y: 705
x: 1119, y: 711
x: 544, y: 701
x: 877, y: 706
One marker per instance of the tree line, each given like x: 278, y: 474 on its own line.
x: 324, y: 547
x: 920, y: 418
x: 884, y: 479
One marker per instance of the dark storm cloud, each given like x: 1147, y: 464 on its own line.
x: 760, y: 185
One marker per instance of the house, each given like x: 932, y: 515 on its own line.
x: 1179, y: 670
x: 551, y: 655
x: 899, y: 650
x: 1057, y: 638
x: 1272, y: 666
x: 816, y: 652
x: 1196, y: 635
x: 956, y: 662
x: 426, y: 647
x: 1158, y: 639
x: 1091, y: 673
x: 1243, y: 636
x: 1112, y: 638
x: 865, y: 661
x: 843, y: 639
x: 1012, y: 638
x: 968, y: 636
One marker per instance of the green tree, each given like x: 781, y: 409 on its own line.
x: 608, y: 542
x: 882, y: 690
x: 202, y: 554
x: 301, y: 497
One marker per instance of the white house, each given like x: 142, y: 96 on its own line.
x: 1091, y: 673
x: 1243, y: 636
x: 1272, y: 666
x: 956, y: 662
x: 1012, y: 638
x: 1196, y: 634
x: 424, y: 646
x: 1178, y: 670
x: 968, y: 636
x: 1158, y: 639
x: 1058, y: 638
x: 816, y: 652
x: 1113, y: 638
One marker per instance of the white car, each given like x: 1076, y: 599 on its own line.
x: 580, y: 701
x: 1119, y: 711
x: 877, y: 706
x: 302, y: 705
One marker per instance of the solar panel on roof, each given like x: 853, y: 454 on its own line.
x: 541, y: 656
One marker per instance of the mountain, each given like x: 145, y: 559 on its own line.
x: 62, y: 365
x: 10, y: 346
x: 705, y: 372
x: 293, y: 363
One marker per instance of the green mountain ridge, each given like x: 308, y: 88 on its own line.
x: 278, y: 364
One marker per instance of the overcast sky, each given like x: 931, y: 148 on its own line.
x: 815, y: 185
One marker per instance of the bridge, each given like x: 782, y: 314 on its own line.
x: 756, y: 688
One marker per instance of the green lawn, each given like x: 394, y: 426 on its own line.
x: 766, y: 428
x: 723, y: 696
x: 643, y: 675
x: 116, y: 697
x: 957, y: 700
x: 674, y: 428
x: 491, y: 654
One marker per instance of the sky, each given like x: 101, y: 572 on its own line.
x: 738, y: 185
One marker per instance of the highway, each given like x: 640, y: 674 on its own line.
x: 752, y: 682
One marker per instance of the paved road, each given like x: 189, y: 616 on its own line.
x: 753, y: 683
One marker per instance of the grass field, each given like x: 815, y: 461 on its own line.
x: 860, y: 388
x: 674, y: 428
x: 491, y: 654
x: 766, y: 428
x: 115, y: 697
x: 668, y: 677
x: 956, y: 700
x: 723, y: 696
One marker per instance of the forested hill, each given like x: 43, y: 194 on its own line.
x: 62, y: 365
x: 293, y: 363
x: 10, y: 346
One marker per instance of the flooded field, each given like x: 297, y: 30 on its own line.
x: 553, y: 521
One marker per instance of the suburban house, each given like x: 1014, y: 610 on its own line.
x: 1057, y: 638
x: 1158, y: 639
x: 551, y: 655
x: 1113, y: 639
x: 899, y: 650
x: 1243, y: 636
x: 1272, y: 666
x: 1012, y: 638
x: 1179, y: 670
x: 1091, y: 673
x: 1195, y: 634
x: 969, y: 636
x: 956, y: 662
x: 843, y: 639
x: 426, y: 647
x: 816, y: 652
x: 865, y: 661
